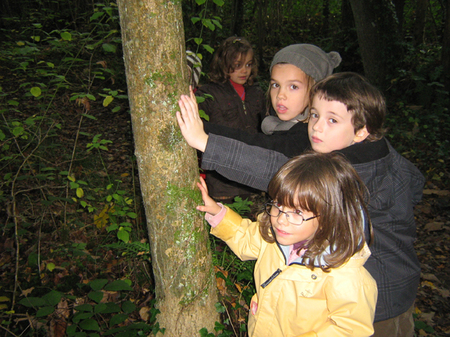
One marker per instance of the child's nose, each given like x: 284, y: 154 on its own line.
x: 318, y: 125
x: 281, y: 94
x: 282, y: 219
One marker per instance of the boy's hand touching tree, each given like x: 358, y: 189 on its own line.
x: 191, y: 125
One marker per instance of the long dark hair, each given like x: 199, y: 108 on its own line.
x: 225, y: 57
x: 327, y: 185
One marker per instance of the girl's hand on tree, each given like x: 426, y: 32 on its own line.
x: 191, y: 125
x: 211, y: 206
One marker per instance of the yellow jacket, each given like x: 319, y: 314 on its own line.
x: 300, y: 301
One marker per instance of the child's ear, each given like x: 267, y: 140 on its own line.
x: 361, y: 135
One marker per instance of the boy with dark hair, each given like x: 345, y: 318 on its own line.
x: 347, y: 115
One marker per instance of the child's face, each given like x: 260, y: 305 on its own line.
x: 330, y: 126
x: 288, y: 91
x: 287, y: 234
x: 242, y: 68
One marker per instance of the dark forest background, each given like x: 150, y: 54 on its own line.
x: 75, y: 257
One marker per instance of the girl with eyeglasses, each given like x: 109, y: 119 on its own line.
x: 310, y: 247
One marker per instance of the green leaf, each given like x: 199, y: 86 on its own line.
x: 198, y: 40
x: 107, y: 100
x: 100, y: 308
x: 132, y: 215
x: 208, y: 48
x: 31, y: 302
x: 203, y: 115
x: 95, y: 16
x: 117, y: 319
x: 110, y: 48
x: 71, y: 330
x: 84, y: 307
x: 98, y: 284
x: 128, y: 307
x: 111, y: 307
x: 204, y: 333
x: 45, y: 311
x: 200, y: 2
x: 118, y: 285
x: 53, y: 297
x: 220, y: 308
x: 80, y: 192
x: 13, y: 102
x: 219, y: 2
x: 66, y: 36
x: 195, y: 20
x: 123, y: 235
x: 96, y: 296
x: 207, y: 23
x: 89, y: 324
x: 36, y: 91
x: 217, y: 23
x: 89, y: 116
x: 18, y: 131
x: 79, y: 316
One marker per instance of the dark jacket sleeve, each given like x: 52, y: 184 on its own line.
x: 290, y: 143
x: 250, y: 165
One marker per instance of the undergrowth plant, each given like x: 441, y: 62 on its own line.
x: 64, y: 208
x: 105, y: 309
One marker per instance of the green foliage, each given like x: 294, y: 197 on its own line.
x: 98, y: 313
x: 241, y: 206
x: 66, y: 208
x: 418, y: 119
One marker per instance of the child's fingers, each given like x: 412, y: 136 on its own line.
x: 213, y: 209
x: 203, y: 182
x: 179, y: 119
x: 202, y: 208
x: 185, y: 110
x: 204, y: 190
x: 191, y: 106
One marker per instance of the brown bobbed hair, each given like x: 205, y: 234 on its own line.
x: 327, y: 185
x: 363, y: 100
x: 224, y: 59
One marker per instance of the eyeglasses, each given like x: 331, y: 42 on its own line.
x: 293, y: 217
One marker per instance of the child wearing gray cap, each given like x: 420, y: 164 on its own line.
x: 294, y: 70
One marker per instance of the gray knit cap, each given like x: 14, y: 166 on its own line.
x: 312, y: 60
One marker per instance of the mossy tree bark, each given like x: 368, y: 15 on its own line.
x: 156, y: 71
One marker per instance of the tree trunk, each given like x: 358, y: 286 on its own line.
x: 378, y: 39
x: 237, y: 17
x: 445, y: 58
x: 156, y: 71
x: 399, y: 9
x: 419, y: 23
